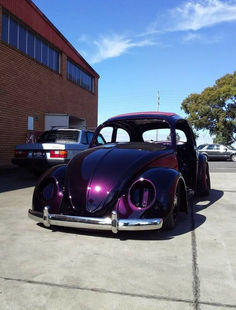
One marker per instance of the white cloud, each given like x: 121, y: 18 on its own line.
x: 114, y: 46
x: 190, y: 18
x: 196, y: 36
x: 197, y: 15
x: 192, y: 37
x: 83, y: 38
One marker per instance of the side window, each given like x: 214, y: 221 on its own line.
x: 90, y: 137
x: 217, y: 147
x: 157, y: 135
x: 122, y: 135
x: 180, y: 137
x: 210, y: 147
x: 101, y: 140
x: 84, y: 138
x: 106, y: 132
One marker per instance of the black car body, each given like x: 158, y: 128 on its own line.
x: 137, y: 178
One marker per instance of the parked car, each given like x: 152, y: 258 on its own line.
x: 54, y: 147
x: 139, y: 177
x: 218, y: 151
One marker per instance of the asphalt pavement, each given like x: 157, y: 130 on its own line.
x: 222, y: 166
x: 191, y: 267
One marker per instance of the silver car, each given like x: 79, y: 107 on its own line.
x: 218, y: 151
x: 54, y: 147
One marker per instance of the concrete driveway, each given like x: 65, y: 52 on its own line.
x: 192, y: 267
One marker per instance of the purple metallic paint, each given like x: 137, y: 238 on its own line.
x: 97, y: 175
x: 55, y: 199
x: 99, y: 180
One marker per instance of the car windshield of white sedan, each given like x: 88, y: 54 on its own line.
x: 52, y: 136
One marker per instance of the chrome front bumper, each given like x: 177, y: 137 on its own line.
x: 114, y: 224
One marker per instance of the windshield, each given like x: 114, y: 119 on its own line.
x: 66, y: 136
x: 154, y: 131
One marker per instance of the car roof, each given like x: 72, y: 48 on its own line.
x: 162, y: 115
x: 69, y: 129
x: 61, y: 129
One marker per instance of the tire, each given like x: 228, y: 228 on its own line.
x: 207, y: 189
x: 171, y: 220
x: 37, y: 173
x: 233, y: 157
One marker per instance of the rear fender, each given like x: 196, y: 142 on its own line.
x: 203, y: 169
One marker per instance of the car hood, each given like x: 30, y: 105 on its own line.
x: 96, y: 176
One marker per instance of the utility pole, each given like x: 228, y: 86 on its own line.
x: 158, y: 107
x: 158, y: 101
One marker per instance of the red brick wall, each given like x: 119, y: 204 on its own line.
x: 29, y: 13
x: 28, y: 88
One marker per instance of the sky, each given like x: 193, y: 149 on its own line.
x: 144, y: 47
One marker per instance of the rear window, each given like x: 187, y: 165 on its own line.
x: 68, y: 136
x: 157, y: 135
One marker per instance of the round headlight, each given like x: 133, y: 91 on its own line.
x: 142, y: 193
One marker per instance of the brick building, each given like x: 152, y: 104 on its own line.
x: 42, y: 77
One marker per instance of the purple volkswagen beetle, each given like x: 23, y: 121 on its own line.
x: 136, y: 175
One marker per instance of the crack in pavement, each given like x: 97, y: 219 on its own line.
x: 104, y: 291
x: 195, y: 270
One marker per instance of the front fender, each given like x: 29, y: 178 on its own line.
x: 166, y: 181
x: 49, y: 190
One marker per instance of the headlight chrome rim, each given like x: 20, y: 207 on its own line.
x: 150, y: 201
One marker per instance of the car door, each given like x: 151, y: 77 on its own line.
x: 209, y: 150
x: 187, y: 154
x: 218, y: 152
x: 225, y: 152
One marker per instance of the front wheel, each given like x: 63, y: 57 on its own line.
x: 171, y: 220
x: 207, y: 188
x: 233, y: 157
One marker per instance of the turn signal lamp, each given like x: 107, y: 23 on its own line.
x: 20, y: 154
x: 58, y: 154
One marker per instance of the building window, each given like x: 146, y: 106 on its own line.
x: 30, y: 123
x: 22, y: 39
x: 79, y: 76
x: 45, y: 54
x: 13, y: 33
x: 5, y: 28
x: 38, y: 50
x: 28, y: 42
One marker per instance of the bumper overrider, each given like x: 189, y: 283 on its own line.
x: 114, y: 224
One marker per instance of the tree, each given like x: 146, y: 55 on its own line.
x: 215, y: 109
